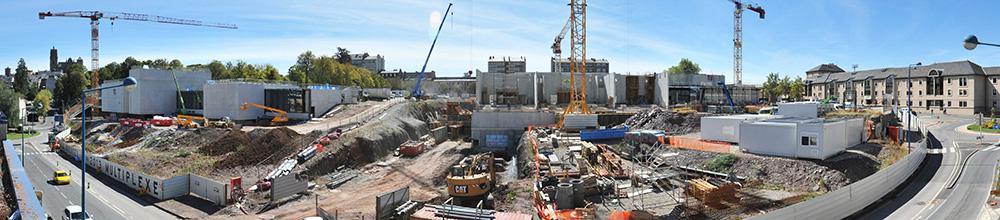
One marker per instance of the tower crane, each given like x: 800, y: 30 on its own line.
x: 577, y: 59
x: 738, y: 36
x: 96, y: 16
x: 557, y: 46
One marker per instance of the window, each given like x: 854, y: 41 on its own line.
x: 962, y: 104
x: 809, y: 140
x: 994, y: 104
x: 962, y: 82
x: 949, y: 80
x: 921, y: 103
x: 994, y: 91
x: 949, y: 103
x: 949, y: 92
x: 994, y: 80
x: 921, y: 92
x: 962, y: 92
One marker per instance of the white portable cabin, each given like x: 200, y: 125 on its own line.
x: 798, y: 109
x: 727, y: 128
x: 813, y: 138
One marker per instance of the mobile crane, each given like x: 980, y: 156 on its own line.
x: 418, y: 92
x: 281, y: 117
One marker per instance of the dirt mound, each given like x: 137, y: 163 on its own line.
x: 670, y: 122
x: 777, y: 172
x: 269, y: 148
x: 229, y: 142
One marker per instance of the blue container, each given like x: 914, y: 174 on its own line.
x: 604, y: 134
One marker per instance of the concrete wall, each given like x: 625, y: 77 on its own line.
x: 488, y: 84
x: 507, y: 126
x: 325, y: 98
x: 223, y: 99
x: 176, y: 186
x: 155, y: 92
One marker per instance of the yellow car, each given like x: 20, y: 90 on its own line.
x: 60, y: 177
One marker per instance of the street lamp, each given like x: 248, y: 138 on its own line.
x: 83, y: 138
x: 971, y: 42
x: 909, y: 102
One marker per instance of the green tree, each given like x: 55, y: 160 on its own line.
x: 175, y: 64
x: 219, y: 70
x: 44, y: 99
x: 783, y: 87
x: 343, y: 55
x: 685, y: 66
x: 71, y: 85
x: 271, y: 73
x: 771, y: 87
x: 21, y: 77
x: 9, y: 105
x: 797, y: 89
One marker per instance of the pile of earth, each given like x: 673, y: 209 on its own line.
x: 266, y: 146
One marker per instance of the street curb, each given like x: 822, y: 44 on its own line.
x: 964, y: 129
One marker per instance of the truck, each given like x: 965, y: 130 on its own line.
x: 378, y: 94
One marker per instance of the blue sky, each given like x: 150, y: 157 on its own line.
x: 636, y: 36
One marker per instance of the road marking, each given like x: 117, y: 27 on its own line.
x: 943, y: 185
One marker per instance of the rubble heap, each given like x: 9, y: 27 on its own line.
x: 662, y: 119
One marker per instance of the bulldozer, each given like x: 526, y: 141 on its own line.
x: 472, y: 180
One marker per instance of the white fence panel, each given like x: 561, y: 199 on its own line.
x: 208, y: 189
x: 176, y: 186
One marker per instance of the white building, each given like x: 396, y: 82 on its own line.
x: 813, y: 138
x: 155, y: 92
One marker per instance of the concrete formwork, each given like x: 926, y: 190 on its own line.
x: 155, y: 92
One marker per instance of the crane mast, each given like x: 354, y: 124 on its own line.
x: 578, y: 60
x: 738, y: 37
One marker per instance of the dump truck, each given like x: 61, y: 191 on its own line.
x: 472, y: 180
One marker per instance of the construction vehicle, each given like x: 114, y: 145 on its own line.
x: 417, y: 91
x: 738, y: 36
x: 471, y: 181
x: 190, y: 121
x: 96, y: 16
x: 280, y: 117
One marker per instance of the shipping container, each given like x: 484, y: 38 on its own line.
x: 603, y: 134
x: 801, y: 137
x: 726, y: 128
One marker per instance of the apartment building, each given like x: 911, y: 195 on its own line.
x: 957, y: 87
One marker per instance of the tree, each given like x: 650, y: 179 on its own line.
x: 783, y: 87
x: 797, y: 89
x: 175, y: 64
x: 21, y: 77
x: 71, y: 85
x: 343, y: 55
x: 219, y: 70
x: 44, y: 98
x: 271, y: 73
x: 685, y: 66
x: 9, y: 105
x: 771, y: 89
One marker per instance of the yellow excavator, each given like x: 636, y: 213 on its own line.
x: 472, y: 180
x: 280, y: 117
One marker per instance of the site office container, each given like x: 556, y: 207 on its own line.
x: 727, y: 128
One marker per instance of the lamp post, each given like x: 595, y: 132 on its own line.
x: 909, y: 102
x: 971, y: 42
x: 83, y: 138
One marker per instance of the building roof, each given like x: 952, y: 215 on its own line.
x: 992, y: 70
x: 953, y: 68
x: 589, y: 60
x: 506, y: 59
x: 361, y: 56
x: 826, y: 68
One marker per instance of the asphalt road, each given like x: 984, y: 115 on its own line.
x: 954, y: 181
x: 105, y: 199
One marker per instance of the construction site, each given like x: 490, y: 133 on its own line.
x: 564, y: 144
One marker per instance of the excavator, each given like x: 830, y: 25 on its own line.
x: 281, y: 117
x: 471, y: 181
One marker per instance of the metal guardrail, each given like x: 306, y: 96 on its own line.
x: 27, y: 204
x: 852, y: 198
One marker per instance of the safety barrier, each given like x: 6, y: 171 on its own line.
x: 699, y: 145
x: 852, y: 198
x: 28, y: 205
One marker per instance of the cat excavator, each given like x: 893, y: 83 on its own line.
x: 472, y: 180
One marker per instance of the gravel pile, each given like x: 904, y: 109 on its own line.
x: 662, y: 119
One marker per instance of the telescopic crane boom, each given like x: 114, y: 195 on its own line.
x: 417, y: 91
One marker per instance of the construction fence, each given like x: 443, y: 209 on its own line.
x: 162, y: 189
x: 852, y: 198
x: 699, y: 145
